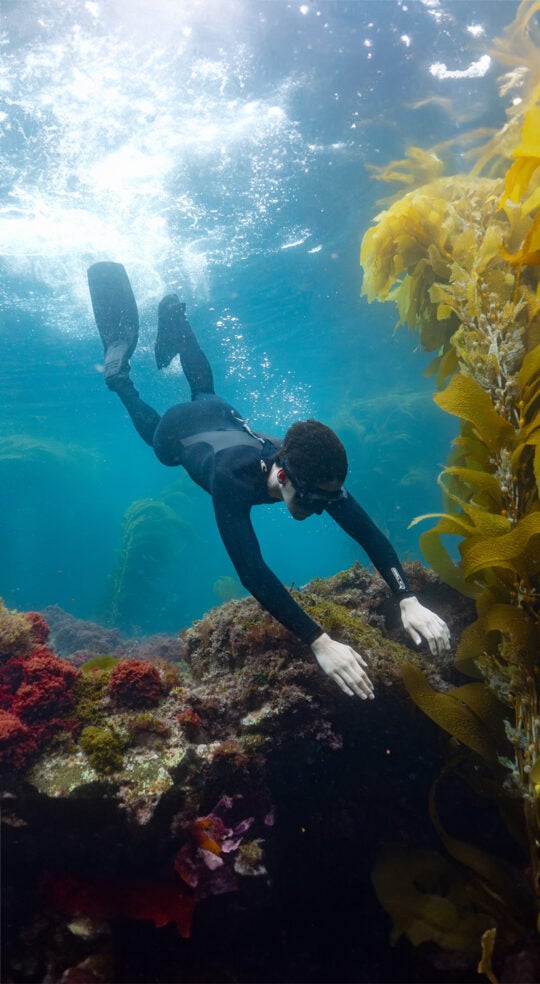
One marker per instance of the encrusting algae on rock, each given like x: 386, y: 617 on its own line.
x: 115, y: 816
x: 460, y: 257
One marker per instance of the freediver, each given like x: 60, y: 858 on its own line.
x: 241, y: 468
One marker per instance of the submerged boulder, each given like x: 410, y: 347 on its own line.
x: 236, y: 767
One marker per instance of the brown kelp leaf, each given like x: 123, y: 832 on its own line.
x: 465, y: 398
x: 530, y: 368
x: 450, y: 714
x: 484, y: 964
x: 484, y: 635
x: 529, y: 254
x: 510, y: 551
x: 439, y: 559
x: 484, y: 521
x: 426, y: 897
x: 481, y: 863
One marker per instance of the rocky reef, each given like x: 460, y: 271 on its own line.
x: 212, y: 807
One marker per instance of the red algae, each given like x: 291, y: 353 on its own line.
x: 36, y: 690
x: 135, y: 683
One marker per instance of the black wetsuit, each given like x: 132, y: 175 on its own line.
x: 230, y: 462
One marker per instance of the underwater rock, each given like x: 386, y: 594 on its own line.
x: 120, y: 807
x: 158, y: 647
x: 69, y: 634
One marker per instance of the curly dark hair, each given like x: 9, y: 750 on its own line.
x: 315, y: 453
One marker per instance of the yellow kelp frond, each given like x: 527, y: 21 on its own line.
x: 464, y: 398
x: 460, y: 258
x: 529, y: 148
x: 491, y: 157
x: 518, y: 178
x: 529, y: 254
x: 467, y: 713
x: 418, y: 167
x: 424, y: 225
x: 485, y: 635
x: 517, y: 550
x: 519, y: 45
x: 427, y: 898
x: 436, y: 253
x: 527, y: 154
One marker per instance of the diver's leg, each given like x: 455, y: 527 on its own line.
x: 176, y: 337
x: 117, y: 320
x: 116, y: 317
x: 145, y: 419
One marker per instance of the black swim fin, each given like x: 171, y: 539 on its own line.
x: 171, y: 331
x: 117, y: 318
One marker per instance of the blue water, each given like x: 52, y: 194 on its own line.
x: 218, y: 149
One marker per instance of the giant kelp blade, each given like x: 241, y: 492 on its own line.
x: 465, y: 398
x: 454, y: 717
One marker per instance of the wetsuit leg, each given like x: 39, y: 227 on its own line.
x: 175, y: 335
x: 196, y: 366
x: 145, y: 418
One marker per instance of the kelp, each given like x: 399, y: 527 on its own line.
x: 417, y: 168
x: 460, y: 257
x: 35, y: 452
x: 470, y: 713
x: 152, y: 536
x: 428, y: 899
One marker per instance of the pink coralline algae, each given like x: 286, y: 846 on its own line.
x: 135, y: 683
x: 36, y: 693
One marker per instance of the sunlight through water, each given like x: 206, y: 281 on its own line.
x: 157, y: 153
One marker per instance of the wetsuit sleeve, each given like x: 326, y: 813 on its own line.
x: 349, y: 514
x: 241, y: 543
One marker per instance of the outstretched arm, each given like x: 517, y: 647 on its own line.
x: 340, y: 662
x: 238, y: 535
x: 419, y: 622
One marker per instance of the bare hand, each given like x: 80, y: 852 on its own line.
x: 420, y: 622
x: 343, y: 665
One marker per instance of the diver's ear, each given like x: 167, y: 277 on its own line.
x: 281, y: 476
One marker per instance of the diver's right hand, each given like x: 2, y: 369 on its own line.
x: 343, y: 665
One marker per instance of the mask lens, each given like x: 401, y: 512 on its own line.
x: 311, y: 499
x: 318, y: 500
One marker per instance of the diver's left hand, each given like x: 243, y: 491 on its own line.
x: 420, y: 622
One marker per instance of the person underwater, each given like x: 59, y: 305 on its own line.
x: 241, y: 468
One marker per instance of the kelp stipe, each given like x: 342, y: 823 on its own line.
x: 460, y: 256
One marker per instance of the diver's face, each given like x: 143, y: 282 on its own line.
x: 296, y: 504
x: 290, y: 498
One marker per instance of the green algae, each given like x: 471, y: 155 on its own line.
x: 346, y: 626
x: 103, y: 747
x: 90, y: 690
x: 146, y: 723
x: 104, y: 662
